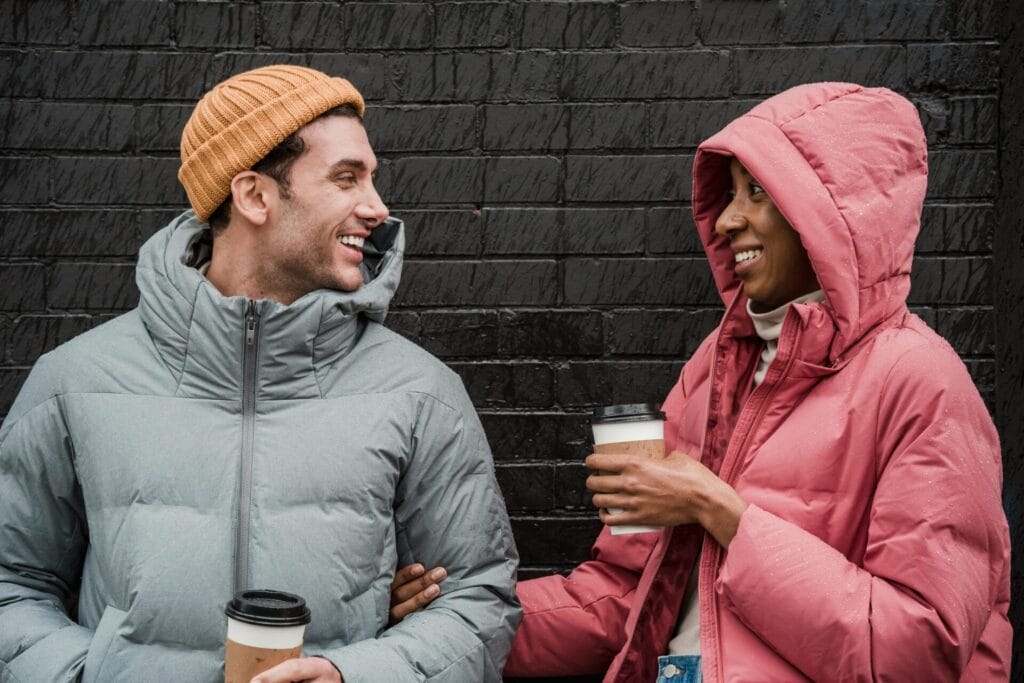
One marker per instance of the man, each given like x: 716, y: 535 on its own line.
x: 253, y: 425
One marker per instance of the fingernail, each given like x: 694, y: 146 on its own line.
x: 432, y: 590
x: 416, y: 569
x: 438, y: 574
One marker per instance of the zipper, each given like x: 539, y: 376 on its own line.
x: 249, y: 357
x: 707, y: 571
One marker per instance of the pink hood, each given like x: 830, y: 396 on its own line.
x: 843, y: 163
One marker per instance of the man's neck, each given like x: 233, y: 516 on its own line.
x: 235, y: 270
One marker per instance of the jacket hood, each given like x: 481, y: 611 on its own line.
x: 199, y: 332
x: 847, y: 167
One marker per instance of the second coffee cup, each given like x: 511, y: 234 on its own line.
x: 634, y: 429
x: 265, y: 628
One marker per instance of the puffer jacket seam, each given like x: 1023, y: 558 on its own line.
x: 480, y: 644
x: 188, y: 343
x: 14, y: 425
x: 805, y: 112
x: 885, y: 385
x: 312, y: 353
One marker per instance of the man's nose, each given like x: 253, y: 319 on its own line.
x: 372, y: 208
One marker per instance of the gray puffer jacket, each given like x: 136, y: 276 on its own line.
x: 201, y: 444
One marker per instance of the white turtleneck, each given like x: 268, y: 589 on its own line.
x: 768, y: 327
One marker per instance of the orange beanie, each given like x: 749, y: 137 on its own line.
x: 238, y: 122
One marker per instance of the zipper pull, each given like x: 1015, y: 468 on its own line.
x: 250, y: 324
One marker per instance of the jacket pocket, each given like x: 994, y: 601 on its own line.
x: 102, y: 640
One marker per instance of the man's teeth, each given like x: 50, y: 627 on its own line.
x: 352, y: 241
x: 748, y: 255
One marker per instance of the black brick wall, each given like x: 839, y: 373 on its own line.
x: 540, y: 154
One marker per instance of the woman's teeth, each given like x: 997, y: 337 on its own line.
x: 352, y: 241
x: 744, y: 256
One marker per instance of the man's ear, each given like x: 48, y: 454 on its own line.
x: 252, y: 196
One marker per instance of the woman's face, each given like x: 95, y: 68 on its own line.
x: 770, y: 261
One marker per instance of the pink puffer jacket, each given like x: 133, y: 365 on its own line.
x: 875, y: 547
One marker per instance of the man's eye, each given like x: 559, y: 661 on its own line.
x: 347, y: 179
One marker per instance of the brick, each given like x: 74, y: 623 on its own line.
x: 563, y: 25
x: 125, y: 22
x: 214, y: 24
x: 962, y: 173
x: 536, y: 436
x: 595, y: 383
x: 494, y: 283
x: 388, y: 25
x: 524, y: 76
x: 117, y: 180
x: 483, y: 24
x: 957, y: 228
x: 459, y: 333
x: 405, y: 323
x: 977, y: 18
x: 766, y: 71
x: 417, y: 77
x: 522, y: 179
x: 11, y: 380
x: 687, y: 124
x: 25, y: 180
x: 525, y: 126
x: 61, y: 125
x: 983, y: 372
x: 92, y: 286
x: 951, y: 67
x: 152, y: 220
x: 739, y: 22
x: 672, y: 281
x: 46, y: 23
x: 69, y: 232
x: 34, y: 335
x: 299, y: 25
x: 551, y: 333
x: 22, y: 287
x: 653, y: 332
x: 973, y: 120
x: 628, y: 178
x: 555, y: 540
x: 163, y: 75
x: 442, y: 233
x: 671, y: 230
x: 527, y: 487
x: 426, y: 180
x: 571, y: 487
x: 417, y: 128
x: 367, y: 72
x: 971, y: 331
x: 563, y: 231
x: 925, y: 313
x: 505, y: 385
x: 943, y: 280
x: 606, y: 126
x: 837, y: 21
x: 158, y: 127
x: 695, y: 73
x: 658, y: 24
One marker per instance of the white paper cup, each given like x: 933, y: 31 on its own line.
x: 637, y: 429
x: 265, y: 628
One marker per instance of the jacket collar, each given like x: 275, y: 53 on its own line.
x: 201, y: 334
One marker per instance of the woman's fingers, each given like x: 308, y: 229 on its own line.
x: 415, y: 594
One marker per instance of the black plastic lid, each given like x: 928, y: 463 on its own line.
x: 268, y: 608
x: 628, y: 412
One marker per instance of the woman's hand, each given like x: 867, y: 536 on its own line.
x: 668, y: 492
x: 413, y: 589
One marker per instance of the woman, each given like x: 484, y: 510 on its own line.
x: 833, y: 492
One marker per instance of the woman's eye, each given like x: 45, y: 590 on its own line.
x: 755, y: 189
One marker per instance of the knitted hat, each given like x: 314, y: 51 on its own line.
x: 238, y: 122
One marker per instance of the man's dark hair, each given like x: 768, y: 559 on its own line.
x: 278, y: 165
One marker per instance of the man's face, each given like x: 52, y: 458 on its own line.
x: 314, y: 237
x: 770, y: 260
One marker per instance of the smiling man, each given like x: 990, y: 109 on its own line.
x: 252, y: 425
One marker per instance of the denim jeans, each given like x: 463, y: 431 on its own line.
x: 679, y: 669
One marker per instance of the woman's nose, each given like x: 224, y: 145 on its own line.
x: 732, y: 219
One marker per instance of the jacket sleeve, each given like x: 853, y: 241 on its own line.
x: 42, y: 541
x: 448, y: 512
x: 574, y: 625
x: 937, y: 546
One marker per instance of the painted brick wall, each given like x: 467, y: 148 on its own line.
x: 540, y: 154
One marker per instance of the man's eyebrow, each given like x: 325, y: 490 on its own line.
x: 343, y: 164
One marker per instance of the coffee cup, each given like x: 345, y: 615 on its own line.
x: 634, y: 429
x: 265, y: 628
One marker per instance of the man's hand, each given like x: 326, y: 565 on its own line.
x: 675, y: 490
x: 413, y: 589
x: 306, y: 669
